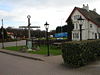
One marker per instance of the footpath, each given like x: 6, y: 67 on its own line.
x: 50, y: 59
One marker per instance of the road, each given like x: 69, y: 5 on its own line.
x: 6, y: 44
x: 14, y: 65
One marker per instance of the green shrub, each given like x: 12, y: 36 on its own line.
x: 76, y: 54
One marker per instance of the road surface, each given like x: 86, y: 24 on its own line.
x: 14, y: 65
x: 6, y: 44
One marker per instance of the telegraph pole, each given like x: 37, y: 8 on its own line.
x: 2, y: 35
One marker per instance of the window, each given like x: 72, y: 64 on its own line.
x: 92, y: 33
x: 76, y: 26
x: 90, y: 25
x: 75, y: 35
x: 76, y: 17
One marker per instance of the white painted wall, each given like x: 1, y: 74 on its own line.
x: 77, y: 29
x: 87, y: 31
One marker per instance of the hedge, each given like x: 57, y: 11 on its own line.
x: 77, y: 54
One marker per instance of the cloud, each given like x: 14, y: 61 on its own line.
x: 53, y: 11
x: 44, y: 3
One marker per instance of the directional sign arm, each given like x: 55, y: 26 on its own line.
x: 34, y: 26
x: 28, y: 26
x: 23, y: 26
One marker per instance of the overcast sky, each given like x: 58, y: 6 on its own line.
x: 55, y: 12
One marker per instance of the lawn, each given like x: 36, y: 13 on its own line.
x: 42, y: 50
x: 14, y: 48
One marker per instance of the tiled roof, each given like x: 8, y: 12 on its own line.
x: 89, y: 15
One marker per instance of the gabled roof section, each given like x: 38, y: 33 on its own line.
x: 89, y: 15
x: 71, y: 13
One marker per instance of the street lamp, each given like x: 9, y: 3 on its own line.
x: 46, y: 27
x: 29, y: 35
x: 80, y: 20
x: 2, y: 35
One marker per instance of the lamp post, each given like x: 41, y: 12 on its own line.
x: 80, y: 20
x: 46, y: 27
x: 2, y: 35
x: 29, y: 34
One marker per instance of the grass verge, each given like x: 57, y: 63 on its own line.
x: 42, y: 50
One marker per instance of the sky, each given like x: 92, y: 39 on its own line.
x: 55, y: 12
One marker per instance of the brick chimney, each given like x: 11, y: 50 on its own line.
x: 94, y: 9
x: 86, y: 7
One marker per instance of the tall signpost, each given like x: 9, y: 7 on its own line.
x: 29, y: 41
x: 29, y: 34
x: 2, y: 35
